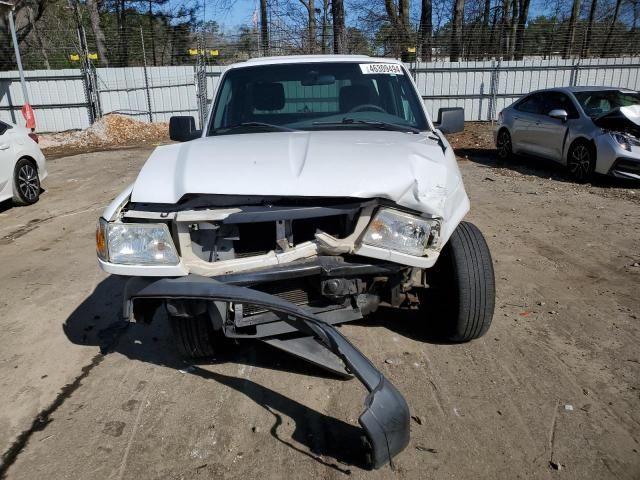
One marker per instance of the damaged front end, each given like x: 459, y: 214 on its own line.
x: 385, y: 420
x: 622, y: 126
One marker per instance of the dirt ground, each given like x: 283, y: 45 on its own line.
x: 552, y: 391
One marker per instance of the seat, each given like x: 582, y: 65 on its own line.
x: 353, y: 96
x: 267, y: 96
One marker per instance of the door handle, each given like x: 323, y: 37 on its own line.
x: 4, y: 146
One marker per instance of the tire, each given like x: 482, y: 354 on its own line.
x: 194, y: 336
x: 504, y: 146
x: 581, y: 161
x: 26, y: 183
x: 462, y: 286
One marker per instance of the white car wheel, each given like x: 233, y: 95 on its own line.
x: 26, y: 183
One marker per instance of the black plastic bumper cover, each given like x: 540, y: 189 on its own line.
x: 386, y: 417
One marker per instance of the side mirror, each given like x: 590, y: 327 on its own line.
x: 559, y: 114
x: 451, y: 120
x: 183, y: 129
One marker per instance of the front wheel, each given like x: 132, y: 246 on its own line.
x: 194, y: 336
x: 461, y: 293
x: 581, y: 161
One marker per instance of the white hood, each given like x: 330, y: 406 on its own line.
x: 409, y: 169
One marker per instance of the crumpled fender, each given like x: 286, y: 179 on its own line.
x: 385, y: 420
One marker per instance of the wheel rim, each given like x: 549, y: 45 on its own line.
x: 28, y: 182
x: 580, y: 162
x: 504, y: 145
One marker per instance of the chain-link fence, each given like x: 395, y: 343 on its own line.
x: 153, y: 73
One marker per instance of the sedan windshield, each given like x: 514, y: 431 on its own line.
x: 317, y: 96
x: 601, y: 102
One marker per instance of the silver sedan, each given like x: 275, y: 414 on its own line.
x: 588, y: 129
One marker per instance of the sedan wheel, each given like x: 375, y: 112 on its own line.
x: 26, y: 182
x: 503, y: 145
x: 581, y: 162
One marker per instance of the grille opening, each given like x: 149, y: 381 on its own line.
x: 255, y: 239
x: 296, y: 291
x: 304, y: 229
x: 215, y: 242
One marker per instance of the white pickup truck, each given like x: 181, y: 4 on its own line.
x: 318, y: 190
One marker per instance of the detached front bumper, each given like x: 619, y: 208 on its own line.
x: 385, y: 420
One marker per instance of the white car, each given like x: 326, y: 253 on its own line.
x: 321, y: 184
x: 22, y: 165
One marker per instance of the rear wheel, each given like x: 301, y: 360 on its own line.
x: 195, y: 336
x: 461, y: 293
x: 26, y: 183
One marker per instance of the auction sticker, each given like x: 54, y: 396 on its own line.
x: 381, y: 69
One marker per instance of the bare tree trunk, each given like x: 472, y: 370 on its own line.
x: 522, y: 20
x: 311, y: 25
x: 36, y: 32
x: 399, y: 19
x: 587, y: 40
x: 339, y: 30
x: 426, y: 27
x: 503, y: 48
x: 482, y: 48
x: 152, y: 34
x: 571, y: 34
x: 94, y: 18
x: 456, y: 30
x: 325, y: 27
x: 514, y: 27
x: 264, y: 29
x: 614, y: 20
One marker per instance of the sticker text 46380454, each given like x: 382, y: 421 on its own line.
x: 381, y: 68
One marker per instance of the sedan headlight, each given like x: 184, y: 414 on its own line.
x: 135, y: 243
x: 624, y: 140
x: 401, y: 232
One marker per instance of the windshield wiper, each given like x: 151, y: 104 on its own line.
x: 371, y: 123
x: 263, y: 125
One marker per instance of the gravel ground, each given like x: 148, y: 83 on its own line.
x: 552, y: 386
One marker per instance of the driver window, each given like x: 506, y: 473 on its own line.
x: 560, y: 101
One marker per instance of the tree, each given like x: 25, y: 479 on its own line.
x: 614, y: 20
x: 357, y: 43
x: 24, y: 26
x: 425, y: 29
x: 456, y: 30
x: 339, y: 30
x: 398, y: 17
x: 571, y: 33
x: 522, y: 20
x: 264, y: 31
x: 94, y: 18
x: 310, y: 7
x: 587, y: 41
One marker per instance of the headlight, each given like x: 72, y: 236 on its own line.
x: 625, y: 141
x: 135, y: 243
x: 402, y: 232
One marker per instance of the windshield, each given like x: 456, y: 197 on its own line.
x: 316, y: 96
x: 598, y: 103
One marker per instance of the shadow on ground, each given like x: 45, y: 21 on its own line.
x: 97, y: 321
x: 538, y: 167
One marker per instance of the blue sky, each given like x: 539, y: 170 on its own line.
x: 231, y: 13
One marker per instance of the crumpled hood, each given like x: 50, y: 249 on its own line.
x: 409, y: 169
x: 621, y: 119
